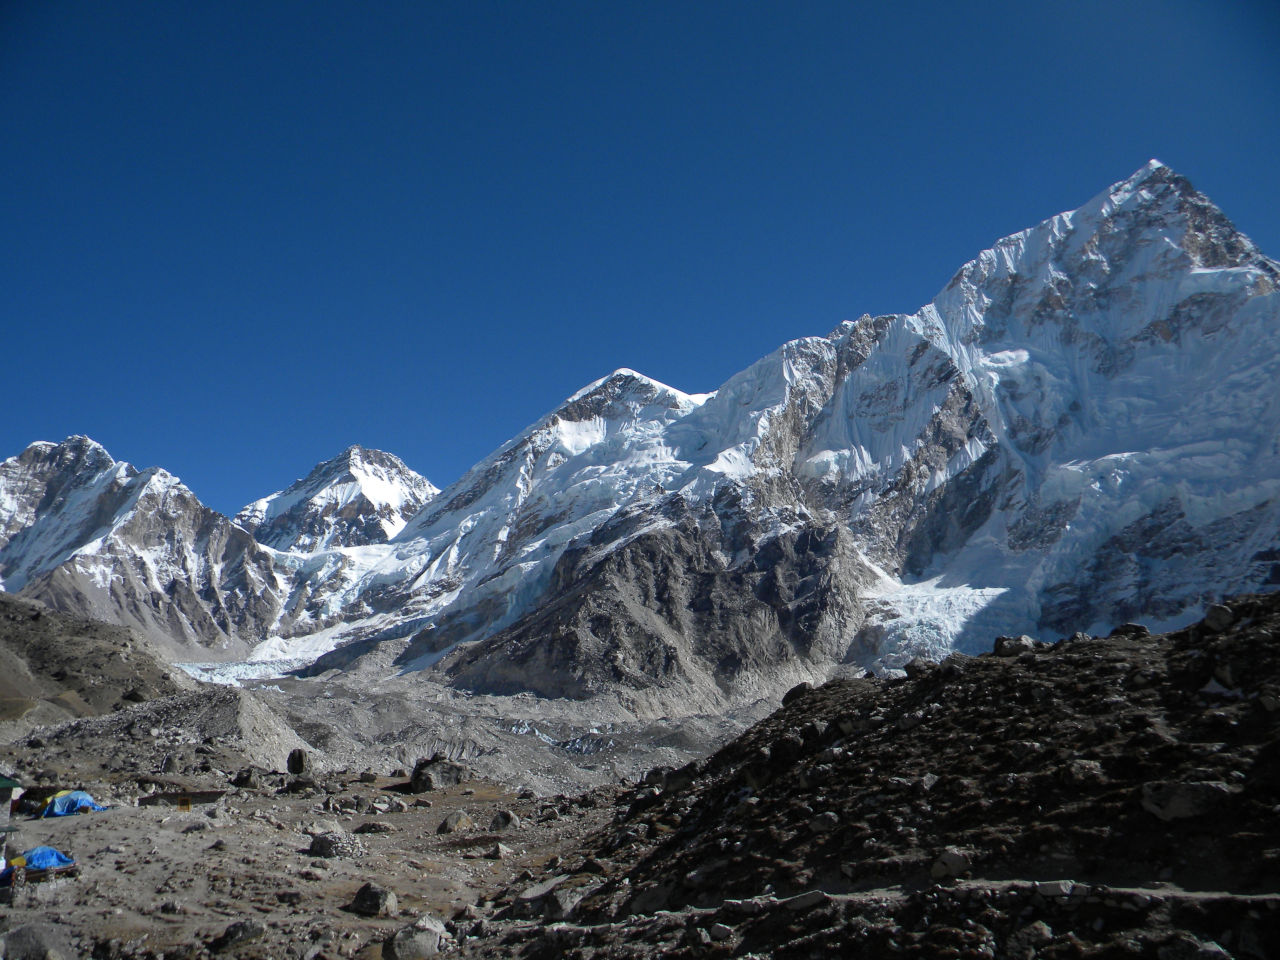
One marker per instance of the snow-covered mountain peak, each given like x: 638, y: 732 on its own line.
x: 359, y: 497
x: 78, y: 452
x: 623, y: 394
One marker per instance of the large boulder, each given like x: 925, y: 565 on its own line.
x: 437, y: 773
x: 503, y: 821
x: 373, y: 900
x: 456, y: 822
x: 299, y: 762
x: 425, y: 937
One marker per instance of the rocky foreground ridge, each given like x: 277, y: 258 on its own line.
x: 1102, y: 797
x: 1079, y: 430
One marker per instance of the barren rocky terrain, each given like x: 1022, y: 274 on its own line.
x: 1095, y: 797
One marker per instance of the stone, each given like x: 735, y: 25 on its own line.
x: 373, y: 900
x: 1130, y: 630
x: 1024, y: 943
x: 499, y: 851
x: 805, y: 901
x: 436, y: 773
x: 950, y: 863
x: 529, y: 901
x: 337, y: 843
x: 1053, y: 889
x: 503, y: 821
x: 1183, y: 946
x: 1218, y: 618
x: 373, y: 826
x: 1083, y: 771
x: 824, y: 822
x: 1013, y: 646
x: 720, y: 931
x: 918, y: 667
x: 298, y: 762
x: 242, y: 931
x: 425, y: 937
x: 799, y: 690
x: 456, y: 822
x: 1178, y: 801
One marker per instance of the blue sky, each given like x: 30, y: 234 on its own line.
x: 241, y: 236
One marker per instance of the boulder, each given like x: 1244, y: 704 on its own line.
x: 1178, y: 801
x: 36, y: 941
x: 799, y: 690
x: 436, y: 773
x: 1218, y: 618
x: 425, y: 937
x: 373, y: 900
x: 918, y: 667
x: 298, y: 762
x: 503, y: 821
x: 337, y: 843
x: 950, y: 863
x: 554, y: 898
x: 456, y: 822
x: 1013, y: 646
x: 242, y: 931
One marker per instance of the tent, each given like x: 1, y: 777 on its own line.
x: 36, y: 859
x: 67, y: 802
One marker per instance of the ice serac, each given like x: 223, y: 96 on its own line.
x: 359, y: 497
x: 92, y: 536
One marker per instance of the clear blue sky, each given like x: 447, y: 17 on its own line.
x: 240, y: 236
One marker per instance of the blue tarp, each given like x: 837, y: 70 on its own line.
x: 74, y: 801
x: 38, y: 858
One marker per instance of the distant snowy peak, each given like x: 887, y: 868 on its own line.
x: 47, y: 477
x: 359, y: 497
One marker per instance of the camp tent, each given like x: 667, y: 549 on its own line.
x: 36, y: 859
x: 67, y: 802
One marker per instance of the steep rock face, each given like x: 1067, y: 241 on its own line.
x: 668, y: 620
x: 359, y: 497
x: 101, y: 539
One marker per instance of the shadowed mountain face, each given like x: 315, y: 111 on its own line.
x: 1079, y: 430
